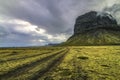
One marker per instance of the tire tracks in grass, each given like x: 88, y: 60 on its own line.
x: 23, y: 68
x: 4, y: 54
x: 40, y: 68
x: 24, y: 57
x: 49, y: 67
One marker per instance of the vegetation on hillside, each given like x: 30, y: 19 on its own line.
x: 93, y: 28
x: 94, y: 37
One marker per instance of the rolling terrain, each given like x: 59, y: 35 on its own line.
x: 60, y: 63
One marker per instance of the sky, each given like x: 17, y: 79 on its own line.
x: 40, y: 22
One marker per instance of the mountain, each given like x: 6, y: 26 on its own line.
x: 95, y: 28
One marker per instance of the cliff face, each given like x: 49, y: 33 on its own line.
x: 95, y: 28
x: 93, y: 20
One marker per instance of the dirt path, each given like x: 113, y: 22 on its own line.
x: 24, y: 57
x: 21, y: 69
x: 50, y: 66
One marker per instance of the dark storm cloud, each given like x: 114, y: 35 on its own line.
x: 56, y: 17
x: 50, y: 14
x: 47, y: 15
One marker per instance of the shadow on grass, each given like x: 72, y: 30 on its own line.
x: 83, y: 57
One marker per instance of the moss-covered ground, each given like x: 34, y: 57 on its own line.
x: 60, y: 63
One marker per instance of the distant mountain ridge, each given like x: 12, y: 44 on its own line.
x: 94, y: 28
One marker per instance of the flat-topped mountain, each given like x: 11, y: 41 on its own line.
x: 95, y: 28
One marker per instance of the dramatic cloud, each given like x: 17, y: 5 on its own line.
x: 39, y: 22
x: 114, y: 10
x: 23, y: 32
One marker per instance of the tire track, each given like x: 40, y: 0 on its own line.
x: 21, y: 69
x: 24, y: 57
x: 32, y: 67
x: 50, y: 66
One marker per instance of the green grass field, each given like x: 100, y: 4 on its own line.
x: 60, y: 63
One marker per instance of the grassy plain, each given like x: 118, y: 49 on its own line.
x: 60, y: 63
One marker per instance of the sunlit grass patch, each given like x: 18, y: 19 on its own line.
x: 78, y: 63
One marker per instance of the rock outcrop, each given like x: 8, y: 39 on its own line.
x: 94, y: 28
x: 93, y: 20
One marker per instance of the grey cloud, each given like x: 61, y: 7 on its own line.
x: 47, y: 13
x: 3, y: 32
x: 114, y: 10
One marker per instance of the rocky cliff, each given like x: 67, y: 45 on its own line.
x: 94, y: 28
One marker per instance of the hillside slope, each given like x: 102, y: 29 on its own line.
x: 99, y: 37
x: 94, y: 28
